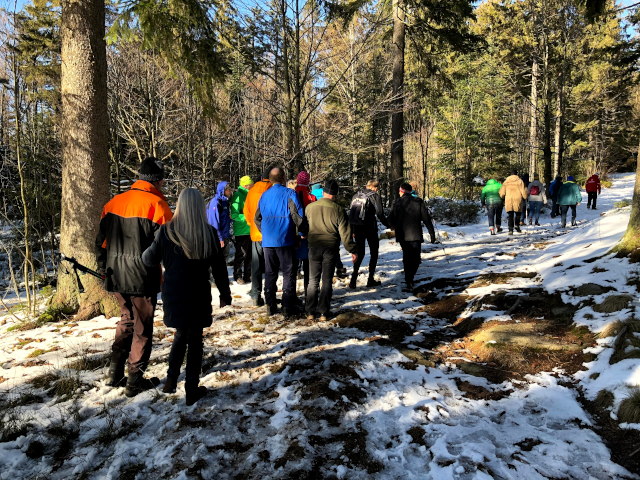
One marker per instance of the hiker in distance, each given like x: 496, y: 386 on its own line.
x: 188, y: 248
x: 537, y: 197
x: 554, y: 188
x: 242, y: 259
x: 257, y: 254
x: 128, y: 226
x: 514, y: 193
x: 365, y: 206
x: 407, y: 216
x: 569, y: 197
x: 325, y: 224
x: 279, y: 213
x: 593, y: 190
x: 491, y: 200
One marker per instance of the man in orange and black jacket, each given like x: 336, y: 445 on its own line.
x: 128, y: 226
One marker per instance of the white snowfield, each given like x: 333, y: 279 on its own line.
x: 298, y: 399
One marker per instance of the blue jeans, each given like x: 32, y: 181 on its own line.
x: 494, y: 212
x: 278, y: 259
x: 535, y: 210
x: 563, y: 213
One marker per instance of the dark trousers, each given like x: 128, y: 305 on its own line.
x: 494, y: 212
x: 555, y: 210
x: 257, y: 269
x: 304, y: 263
x: 322, y: 265
x: 278, y: 259
x: 563, y: 213
x: 189, y: 341
x: 523, y: 212
x: 368, y: 234
x: 134, y: 331
x: 410, y: 259
x: 592, y: 197
x: 242, y: 260
x: 510, y: 216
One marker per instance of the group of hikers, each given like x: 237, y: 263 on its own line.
x: 276, y: 230
x: 521, y: 199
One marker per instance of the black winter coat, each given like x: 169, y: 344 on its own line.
x: 186, y: 291
x: 407, y: 215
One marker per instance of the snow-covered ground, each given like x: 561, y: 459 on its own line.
x: 299, y: 399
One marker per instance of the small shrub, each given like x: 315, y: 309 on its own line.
x: 453, y: 212
x: 613, y: 303
x: 606, y: 183
x: 623, y: 203
x: 629, y: 410
x: 55, y: 314
x: 604, y: 399
x: 67, y: 386
x: 610, y: 329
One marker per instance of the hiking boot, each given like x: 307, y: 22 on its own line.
x: 499, y: 229
x: 408, y: 287
x: 115, y: 377
x: 573, y: 223
x: 272, y: 310
x: 352, y: 283
x: 324, y: 317
x: 170, y: 385
x: 240, y: 281
x: 510, y: 232
x: 518, y: 230
x: 529, y: 221
x: 311, y: 317
x: 137, y: 384
x: 290, y: 313
x: 537, y: 224
x: 341, y: 272
x: 195, y: 394
x: 564, y: 225
x: 372, y: 282
x: 492, y: 231
x: 257, y: 302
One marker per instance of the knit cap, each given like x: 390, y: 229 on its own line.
x: 151, y: 170
x: 331, y: 187
x: 570, y: 178
x: 246, y: 180
x: 304, y: 178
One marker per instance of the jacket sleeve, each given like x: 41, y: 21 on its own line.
x: 483, y: 197
x: 295, y: 209
x: 345, y: 232
x: 258, y: 219
x: 237, y: 215
x: 220, y: 275
x: 392, y: 218
x: 101, y: 244
x: 598, y: 184
x: 213, y: 216
x: 524, y: 192
x: 377, y: 204
x: 246, y: 210
x: 153, y: 254
x: 428, y: 221
x: 578, y: 195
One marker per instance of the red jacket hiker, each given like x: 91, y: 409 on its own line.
x: 593, y: 184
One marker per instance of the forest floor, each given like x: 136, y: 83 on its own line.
x: 510, y: 361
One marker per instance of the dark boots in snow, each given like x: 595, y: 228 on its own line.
x: 194, y: 394
x: 136, y: 384
x: 116, y: 376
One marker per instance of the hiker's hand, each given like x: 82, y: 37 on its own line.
x: 222, y: 243
x: 354, y: 257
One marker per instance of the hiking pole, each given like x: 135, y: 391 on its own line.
x: 78, y: 266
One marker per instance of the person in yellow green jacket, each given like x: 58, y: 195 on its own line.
x: 491, y: 200
x: 242, y: 260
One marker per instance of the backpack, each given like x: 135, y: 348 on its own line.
x: 535, y: 190
x: 358, y: 208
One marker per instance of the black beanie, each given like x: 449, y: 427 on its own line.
x: 151, y: 170
x: 331, y: 187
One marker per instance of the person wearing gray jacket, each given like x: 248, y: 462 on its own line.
x: 537, y: 196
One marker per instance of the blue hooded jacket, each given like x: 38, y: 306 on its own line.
x: 274, y: 216
x: 218, y: 214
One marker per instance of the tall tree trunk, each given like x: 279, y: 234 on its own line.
x: 533, y: 125
x: 397, y: 114
x: 85, y: 166
x: 559, y: 132
x: 630, y: 243
x: 546, y: 149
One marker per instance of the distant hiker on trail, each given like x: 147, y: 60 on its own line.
x: 569, y: 196
x: 242, y: 259
x: 593, y: 190
x: 537, y: 197
x: 303, y: 191
x: 189, y: 248
x: 554, y: 188
x: 514, y: 194
x: 407, y: 216
x: 491, y: 200
x: 129, y: 223
x: 326, y: 223
x: 365, y: 206
x: 524, y: 209
x: 257, y: 254
x: 279, y: 213
x: 219, y: 216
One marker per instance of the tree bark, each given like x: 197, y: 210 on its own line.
x: 397, y: 114
x: 629, y: 246
x: 85, y: 166
x: 559, y: 133
x: 533, y: 125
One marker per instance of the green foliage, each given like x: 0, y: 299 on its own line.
x: 623, y: 203
x: 629, y: 410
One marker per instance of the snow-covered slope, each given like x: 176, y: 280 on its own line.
x: 299, y: 399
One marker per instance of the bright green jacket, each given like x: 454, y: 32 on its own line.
x: 491, y: 193
x: 569, y: 194
x: 240, y: 225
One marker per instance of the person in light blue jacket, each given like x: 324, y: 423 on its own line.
x: 279, y: 213
x: 218, y: 214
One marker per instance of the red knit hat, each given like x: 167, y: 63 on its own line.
x: 304, y: 178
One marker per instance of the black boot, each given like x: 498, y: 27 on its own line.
x: 194, y: 394
x: 170, y: 385
x: 353, y: 282
x: 136, y: 383
x: 116, y: 376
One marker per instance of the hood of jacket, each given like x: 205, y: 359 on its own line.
x: 511, y: 179
x: 492, y: 181
x: 221, y: 188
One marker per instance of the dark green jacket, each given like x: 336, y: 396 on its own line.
x: 325, y: 224
x: 491, y: 193
x: 236, y: 206
x: 569, y: 194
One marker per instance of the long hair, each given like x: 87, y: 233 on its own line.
x: 189, y: 227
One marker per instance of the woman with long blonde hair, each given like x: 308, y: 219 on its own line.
x: 189, y: 248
